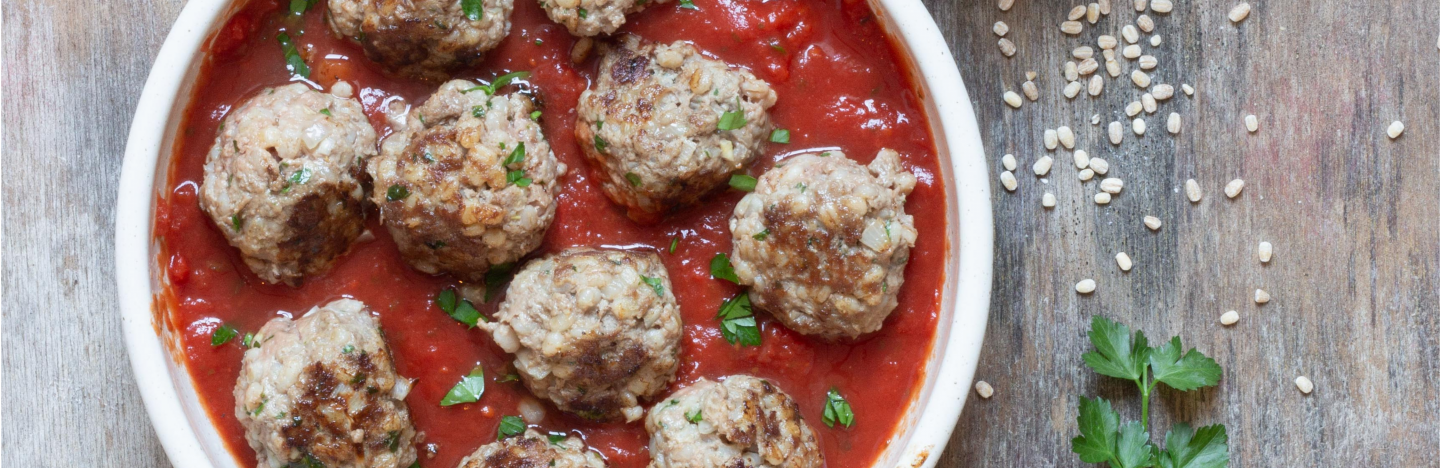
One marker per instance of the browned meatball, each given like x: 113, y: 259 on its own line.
x: 425, y: 39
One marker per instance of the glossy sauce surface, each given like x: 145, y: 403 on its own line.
x: 840, y: 86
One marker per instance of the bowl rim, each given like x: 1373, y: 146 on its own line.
x: 932, y: 415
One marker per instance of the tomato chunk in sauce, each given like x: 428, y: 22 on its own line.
x: 840, y: 85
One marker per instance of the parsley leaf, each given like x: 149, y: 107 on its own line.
x: 1133, y: 449
x: 633, y: 178
x: 720, y: 268
x: 396, y: 192
x: 1099, y: 424
x: 837, y: 410
x: 1184, y: 373
x: 780, y: 135
x: 694, y: 416
x: 299, y: 7
x: 474, y: 9
x: 468, y: 390
x: 733, y: 119
x: 1205, y: 448
x: 674, y: 242
x: 656, y: 284
x: 1116, y: 355
x: 688, y: 4
x: 737, y: 321
x: 499, y: 82
x: 249, y: 341
x: 222, y: 335
x: 556, y: 437
x: 293, y: 61
x: 458, y: 308
x: 762, y: 235
x: 743, y: 182
x: 510, y: 426
x: 600, y: 144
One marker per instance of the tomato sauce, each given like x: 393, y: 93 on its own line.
x: 840, y: 86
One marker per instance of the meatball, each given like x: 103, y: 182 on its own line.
x: 593, y: 17
x: 822, y: 242
x: 595, y: 331
x: 321, y: 390
x: 425, y: 39
x: 467, y: 181
x: 282, y: 181
x: 741, y: 421
x: 533, y: 450
x: 665, y: 125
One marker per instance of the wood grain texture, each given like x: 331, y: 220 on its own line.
x: 1353, y: 216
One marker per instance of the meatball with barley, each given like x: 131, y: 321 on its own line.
x: 467, y: 181
x: 738, y: 422
x: 322, y: 390
x: 587, y: 18
x: 425, y: 39
x: 664, y: 124
x: 823, y: 242
x: 283, y: 180
x: 533, y: 450
x: 595, y: 331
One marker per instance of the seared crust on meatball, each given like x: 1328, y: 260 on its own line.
x: 322, y: 390
x: 426, y: 39
x: 533, y: 450
x: 282, y: 181
x: 652, y: 124
x: 741, y: 421
x: 823, y: 242
x: 467, y: 181
x: 593, y: 17
x: 595, y: 331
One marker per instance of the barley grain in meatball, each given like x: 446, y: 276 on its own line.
x: 594, y: 331
x: 282, y: 181
x: 427, y: 39
x: 467, y: 181
x: 322, y: 390
x: 533, y: 450
x: 664, y: 125
x: 823, y: 242
x: 740, y: 421
x: 587, y: 18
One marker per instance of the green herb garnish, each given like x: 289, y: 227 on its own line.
x: 222, y: 335
x: 510, y: 426
x: 499, y: 82
x: 720, y: 268
x: 694, y: 416
x: 737, y: 321
x: 655, y: 283
x: 468, y: 390
x: 743, y: 182
x: 688, y: 4
x: 293, y: 61
x: 837, y: 410
x: 733, y: 119
x: 780, y: 135
x: 762, y: 235
x: 458, y: 308
x: 474, y: 9
x: 396, y: 192
x: 633, y: 178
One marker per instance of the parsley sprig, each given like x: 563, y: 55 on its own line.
x: 499, y: 82
x: 1104, y: 439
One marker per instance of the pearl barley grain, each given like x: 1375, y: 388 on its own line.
x: 1239, y: 13
x: 1123, y: 261
x: 1192, y: 191
x: 1097, y: 85
x: 1072, y: 89
x: 1077, y: 12
x: 1112, y: 185
x: 1052, y: 139
x: 1145, y: 23
x: 1147, y: 102
x: 1086, y: 174
x: 1152, y: 223
x: 1396, y: 129
x: 1173, y: 123
x: 1082, y: 159
x: 1133, y: 108
x: 1155, y: 41
x: 1001, y: 28
x: 1106, y: 42
x: 1082, y: 52
x: 1117, y: 133
x: 1006, y: 4
x: 1261, y: 297
x: 1162, y: 6
x: 1092, y: 13
x: 1048, y: 200
x: 1265, y: 251
x: 1131, y: 52
x: 1012, y: 99
x: 1229, y: 318
x: 1102, y: 198
x: 1007, y: 48
x: 1042, y: 166
x: 1067, y: 136
x: 1031, y: 91
x: 1007, y: 179
x: 1163, y: 92
x: 1304, y: 384
x: 1140, y: 78
x: 1072, y: 27
x: 984, y: 389
x: 1234, y: 188
x: 1008, y: 161
x: 1100, y: 165
x: 1252, y: 123
x: 1189, y: 90
x: 1130, y: 34
x: 1138, y: 125
x: 1085, y: 286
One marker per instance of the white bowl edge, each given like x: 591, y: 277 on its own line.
x: 924, y: 431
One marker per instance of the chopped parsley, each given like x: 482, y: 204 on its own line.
x: 737, y: 321
x: 326, y: 112
x: 468, y: 390
x: 762, y: 235
x: 396, y: 192
x: 458, y: 308
x: 509, y: 378
x: 516, y: 175
x: 249, y: 341
x: 477, y: 111
x: 500, y: 82
x: 583, y: 13
x: 633, y: 178
x: 837, y: 410
x: 222, y: 335
x: 655, y: 283
x: 498, y: 275
x: 301, y: 176
x: 348, y: 349
x: 743, y: 182
x: 474, y: 9
x: 510, y: 426
x: 293, y: 61
x: 720, y: 268
x: 535, y: 115
x: 237, y: 221
x: 556, y: 437
x: 733, y: 119
x: 780, y: 135
x: 694, y: 416
x: 674, y: 242
x: 688, y: 4
x: 518, y: 178
x: 299, y: 7
x: 392, y: 440
x: 777, y: 47
x: 600, y: 144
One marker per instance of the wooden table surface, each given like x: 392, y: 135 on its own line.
x: 1353, y: 216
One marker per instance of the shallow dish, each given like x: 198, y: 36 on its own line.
x: 192, y: 440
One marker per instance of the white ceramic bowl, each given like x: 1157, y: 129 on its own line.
x: 191, y: 440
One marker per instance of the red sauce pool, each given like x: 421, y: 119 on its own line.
x: 840, y: 85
